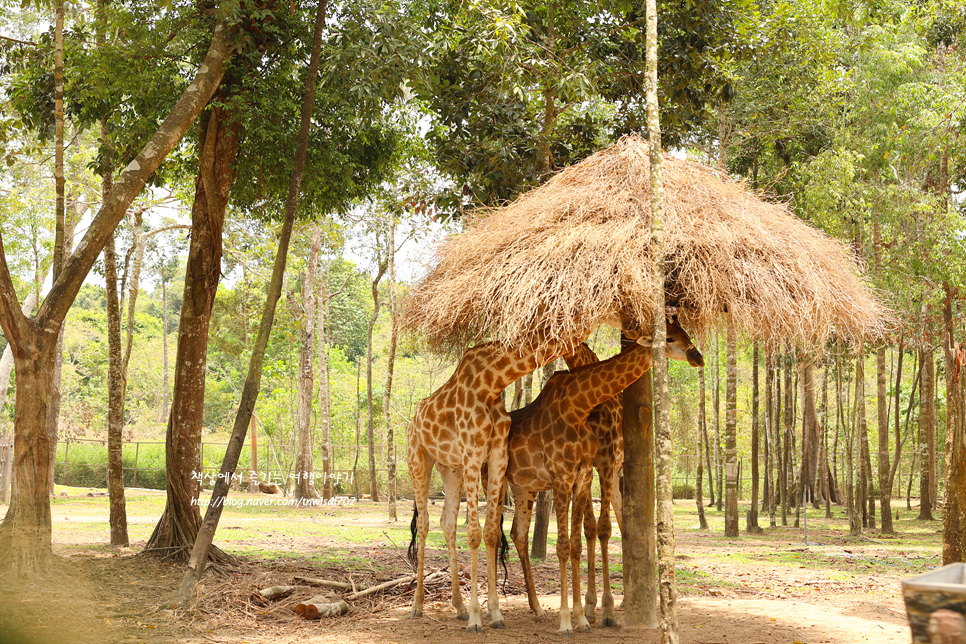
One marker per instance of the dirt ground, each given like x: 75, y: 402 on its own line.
x: 764, y: 589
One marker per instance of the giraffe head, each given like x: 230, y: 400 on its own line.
x: 679, y: 344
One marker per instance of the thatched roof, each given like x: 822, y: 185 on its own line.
x: 569, y: 252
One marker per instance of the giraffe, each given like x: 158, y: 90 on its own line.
x: 459, y: 429
x: 551, y: 446
x: 605, y: 422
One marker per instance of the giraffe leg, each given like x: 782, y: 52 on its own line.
x: 520, y: 533
x: 618, y: 504
x: 474, y: 536
x: 590, y: 534
x: 453, y: 486
x: 420, y: 469
x: 562, y: 493
x: 608, y: 483
x: 581, y: 504
x: 492, y: 532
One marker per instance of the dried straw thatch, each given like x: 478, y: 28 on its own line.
x: 564, y: 255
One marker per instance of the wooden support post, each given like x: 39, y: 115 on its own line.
x: 637, y: 538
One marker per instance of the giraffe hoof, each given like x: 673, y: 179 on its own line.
x: 463, y: 617
x: 583, y: 629
x: 610, y: 622
x: 415, y: 614
x: 567, y: 632
x: 498, y: 625
x: 589, y: 614
x: 475, y: 628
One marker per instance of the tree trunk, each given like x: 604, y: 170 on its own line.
x: 115, y: 407
x: 246, y: 406
x: 26, y: 527
x: 390, y: 364
x: 858, y: 462
x: 731, y: 433
x: 927, y: 433
x: 702, y: 433
x: 134, y: 285
x: 304, y: 467
x: 779, y: 456
x: 752, y: 517
x: 768, y: 502
x: 882, y: 406
x: 544, y: 502
x: 178, y: 527
x: 868, y: 491
x: 718, y: 460
x: 954, y: 505
x: 663, y: 446
x: 56, y: 391
x: 355, y: 464
x: 324, y: 413
x: 787, y: 480
x: 370, y: 427
x: 810, y: 436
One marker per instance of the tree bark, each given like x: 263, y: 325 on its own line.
x: 882, y: 406
x: 178, y: 527
x: 246, y: 406
x: 770, y: 453
x: 731, y: 433
x: 26, y: 527
x: 115, y: 397
x: 304, y: 467
x: 702, y: 433
x: 390, y: 365
x: 858, y: 432
x: 752, y: 518
x: 927, y: 433
x: 638, y: 534
x: 6, y: 362
x: 954, y: 505
x: 371, y: 425
x: 787, y: 476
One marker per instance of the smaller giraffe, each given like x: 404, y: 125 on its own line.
x: 551, y: 447
x: 605, y: 422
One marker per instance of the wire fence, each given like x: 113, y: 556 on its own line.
x: 83, y: 463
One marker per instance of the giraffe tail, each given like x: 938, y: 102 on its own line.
x: 504, y: 545
x: 413, y: 550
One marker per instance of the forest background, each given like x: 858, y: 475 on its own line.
x: 853, y: 113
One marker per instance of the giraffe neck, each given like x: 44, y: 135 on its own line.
x: 610, y: 377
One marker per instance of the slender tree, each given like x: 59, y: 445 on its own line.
x: 304, y: 466
x: 731, y: 432
x: 752, y: 518
x: 702, y: 432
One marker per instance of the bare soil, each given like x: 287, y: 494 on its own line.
x: 765, y: 589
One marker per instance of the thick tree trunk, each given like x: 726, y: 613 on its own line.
x: 390, y: 365
x: 304, y: 467
x: 954, y: 505
x: 731, y: 434
x: 752, y: 518
x: 115, y: 398
x: 702, y: 434
x: 178, y: 527
x: 927, y: 433
x: 371, y: 426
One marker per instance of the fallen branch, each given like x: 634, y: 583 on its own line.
x: 392, y: 584
x: 311, y: 581
x: 322, y: 606
x: 280, y: 592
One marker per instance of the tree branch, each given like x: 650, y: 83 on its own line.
x: 132, y: 180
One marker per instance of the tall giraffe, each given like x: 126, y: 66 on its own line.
x: 551, y: 446
x: 460, y: 428
x: 605, y: 422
